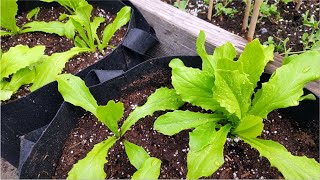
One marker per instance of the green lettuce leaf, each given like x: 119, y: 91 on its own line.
x: 68, y: 4
x: 33, y: 13
x: 173, y: 122
x: 291, y: 167
x: 19, y: 57
x: 147, y: 167
x: 150, y: 169
x: 69, y: 30
x: 285, y: 87
x: 233, y: 91
x: 254, y: 59
x: 206, y: 150
x: 110, y: 115
x: 52, y: 66
x: 81, y: 21
x: 225, y: 51
x: 5, y: 33
x: 250, y: 126
x: 74, y: 91
x: 193, y: 85
x: 92, y: 166
x: 22, y: 77
x: 208, y: 63
x: 94, y: 26
x: 53, y: 27
x: 162, y: 99
x: 5, y: 94
x: 136, y: 154
x: 122, y: 18
x: 8, y: 10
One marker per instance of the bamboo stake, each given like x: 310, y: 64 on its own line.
x: 210, y: 10
x: 299, y: 2
x: 178, y: 2
x: 246, y: 16
x: 254, y: 19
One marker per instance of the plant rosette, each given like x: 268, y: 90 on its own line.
x: 41, y: 63
x: 174, y: 116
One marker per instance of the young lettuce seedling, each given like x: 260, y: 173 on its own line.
x: 226, y: 87
x: 74, y: 91
x: 22, y: 65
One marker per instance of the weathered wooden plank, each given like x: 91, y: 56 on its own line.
x: 177, y: 32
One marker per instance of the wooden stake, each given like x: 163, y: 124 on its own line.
x: 246, y: 16
x: 299, y: 2
x: 178, y: 2
x: 210, y: 10
x: 254, y: 19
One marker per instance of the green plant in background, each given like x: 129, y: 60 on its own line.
x: 22, y: 65
x: 280, y: 47
x: 8, y: 10
x: 221, y: 8
x: 33, y: 13
x: 226, y: 87
x: 267, y: 10
x: 181, y: 5
x: 74, y: 91
x: 311, y: 40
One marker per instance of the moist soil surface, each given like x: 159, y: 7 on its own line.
x: 56, y: 44
x: 299, y: 133
x: 289, y: 24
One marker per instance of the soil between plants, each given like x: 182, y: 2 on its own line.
x: 55, y: 43
x: 298, y: 135
x: 289, y: 25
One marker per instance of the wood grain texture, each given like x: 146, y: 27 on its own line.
x: 177, y: 32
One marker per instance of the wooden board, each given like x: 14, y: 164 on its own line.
x: 177, y: 32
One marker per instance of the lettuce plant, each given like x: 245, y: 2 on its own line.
x: 79, y: 21
x: 226, y: 87
x: 74, y: 91
x: 22, y: 65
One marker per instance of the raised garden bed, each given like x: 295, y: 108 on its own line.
x: 293, y: 130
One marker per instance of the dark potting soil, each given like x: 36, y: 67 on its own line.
x: 240, y: 160
x: 290, y: 23
x: 56, y: 44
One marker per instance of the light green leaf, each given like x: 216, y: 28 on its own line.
x: 136, y: 154
x: 110, y: 115
x: 75, y: 91
x: 206, y: 150
x: 94, y: 26
x: 22, y: 77
x: 53, y: 27
x: 122, y: 18
x: 19, y: 57
x: 228, y: 64
x: 225, y: 51
x: 254, y: 59
x: 250, y: 126
x: 150, y: 169
x: 308, y: 97
x: 69, y: 30
x: 69, y: 4
x: 173, y: 122
x: 285, y: 87
x: 8, y: 10
x: 5, y: 94
x: 33, y: 13
x: 193, y: 85
x: 5, y: 33
x: 162, y: 99
x: 79, y: 42
x: 291, y: 167
x: 92, y: 166
x: 208, y: 62
x: 52, y: 66
x: 233, y: 91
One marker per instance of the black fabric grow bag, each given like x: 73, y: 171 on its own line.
x: 41, y: 155
x: 39, y: 107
